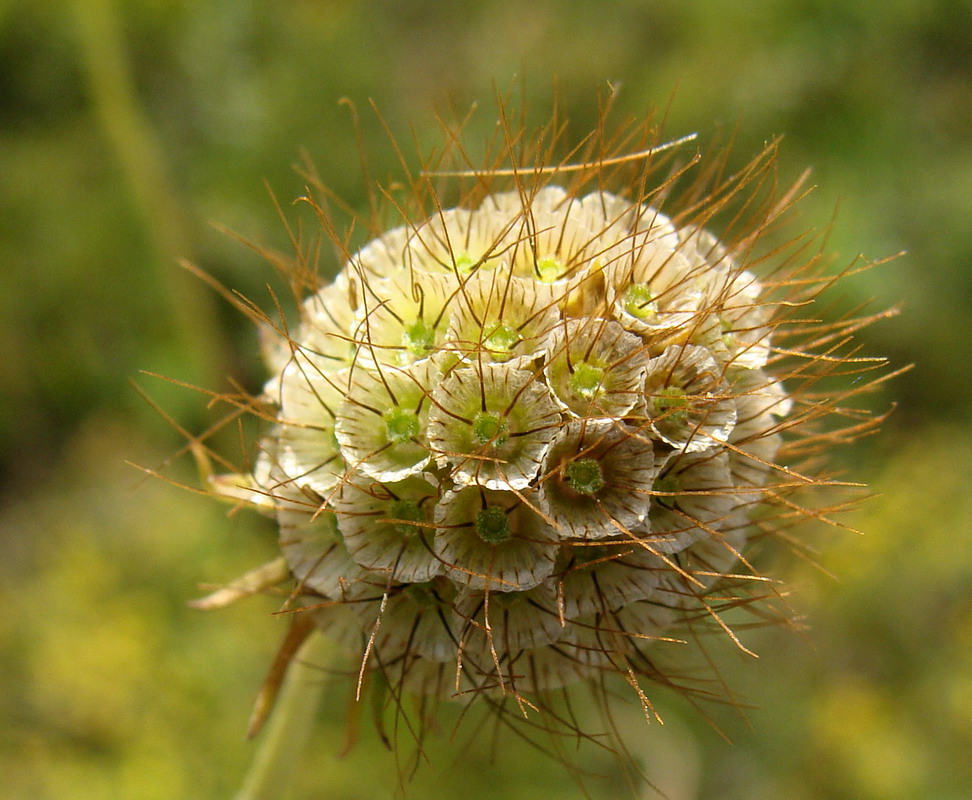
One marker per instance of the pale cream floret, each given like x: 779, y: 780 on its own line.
x: 694, y: 497
x: 403, y: 318
x: 307, y: 452
x: 701, y: 566
x: 384, y: 257
x: 454, y: 241
x: 760, y: 393
x: 596, y: 478
x: 521, y: 556
x: 603, y: 576
x: 514, y: 205
x: 734, y: 318
x: 681, y: 592
x: 412, y: 621
x: 555, y: 239
x: 498, y: 319
x: 581, y: 653
x: 322, y: 332
x: 652, y: 290
x: 460, y: 242
x: 387, y: 528
x: 327, y: 320
x: 702, y: 249
x: 762, y: 405
x: 743, y: 317
x: 595, y: 367
x: 311, y: 543
x: 491, y: 424
x: 508, y: 621
x: 381, y: 424
x: 616, y: 218
x: 688, y: 401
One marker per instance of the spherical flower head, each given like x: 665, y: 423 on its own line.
x: 525, y: 435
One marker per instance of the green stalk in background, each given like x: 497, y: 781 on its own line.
x: 105, y: 68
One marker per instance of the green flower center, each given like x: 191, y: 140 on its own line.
x: 420, y: 594
x: 406, y: 510
x: 464, y: 263
x: 668, y: 484
x: 490, y: 429
x: 585, y: 476
x: 638, y: 301
x: 501, y: 341
x: 549, y: 269
x: 586, y: 380
x: 600, y: 553
x: 728, y: 332
x: 418, y: 338
x: 672, y: 402
x: 401, y: 424
x: 492, y: 525
x: 585, y: 555
x: 333, y: 440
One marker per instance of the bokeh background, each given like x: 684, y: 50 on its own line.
x: 127, y: 126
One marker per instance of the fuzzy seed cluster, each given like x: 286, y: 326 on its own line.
x: 514, y: 442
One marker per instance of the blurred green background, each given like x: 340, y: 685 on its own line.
x: 126, y: 127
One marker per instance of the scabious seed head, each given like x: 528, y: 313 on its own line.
x: 530, y: 431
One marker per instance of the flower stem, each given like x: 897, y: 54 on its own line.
x: 107, y: 70
x: 290, y: 724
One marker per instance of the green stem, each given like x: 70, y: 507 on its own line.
x: 290, y: 724
x: 114, y: 101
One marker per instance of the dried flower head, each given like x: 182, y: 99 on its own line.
x: 526, y: 437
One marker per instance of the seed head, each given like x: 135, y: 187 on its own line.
x: 527, y: 434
